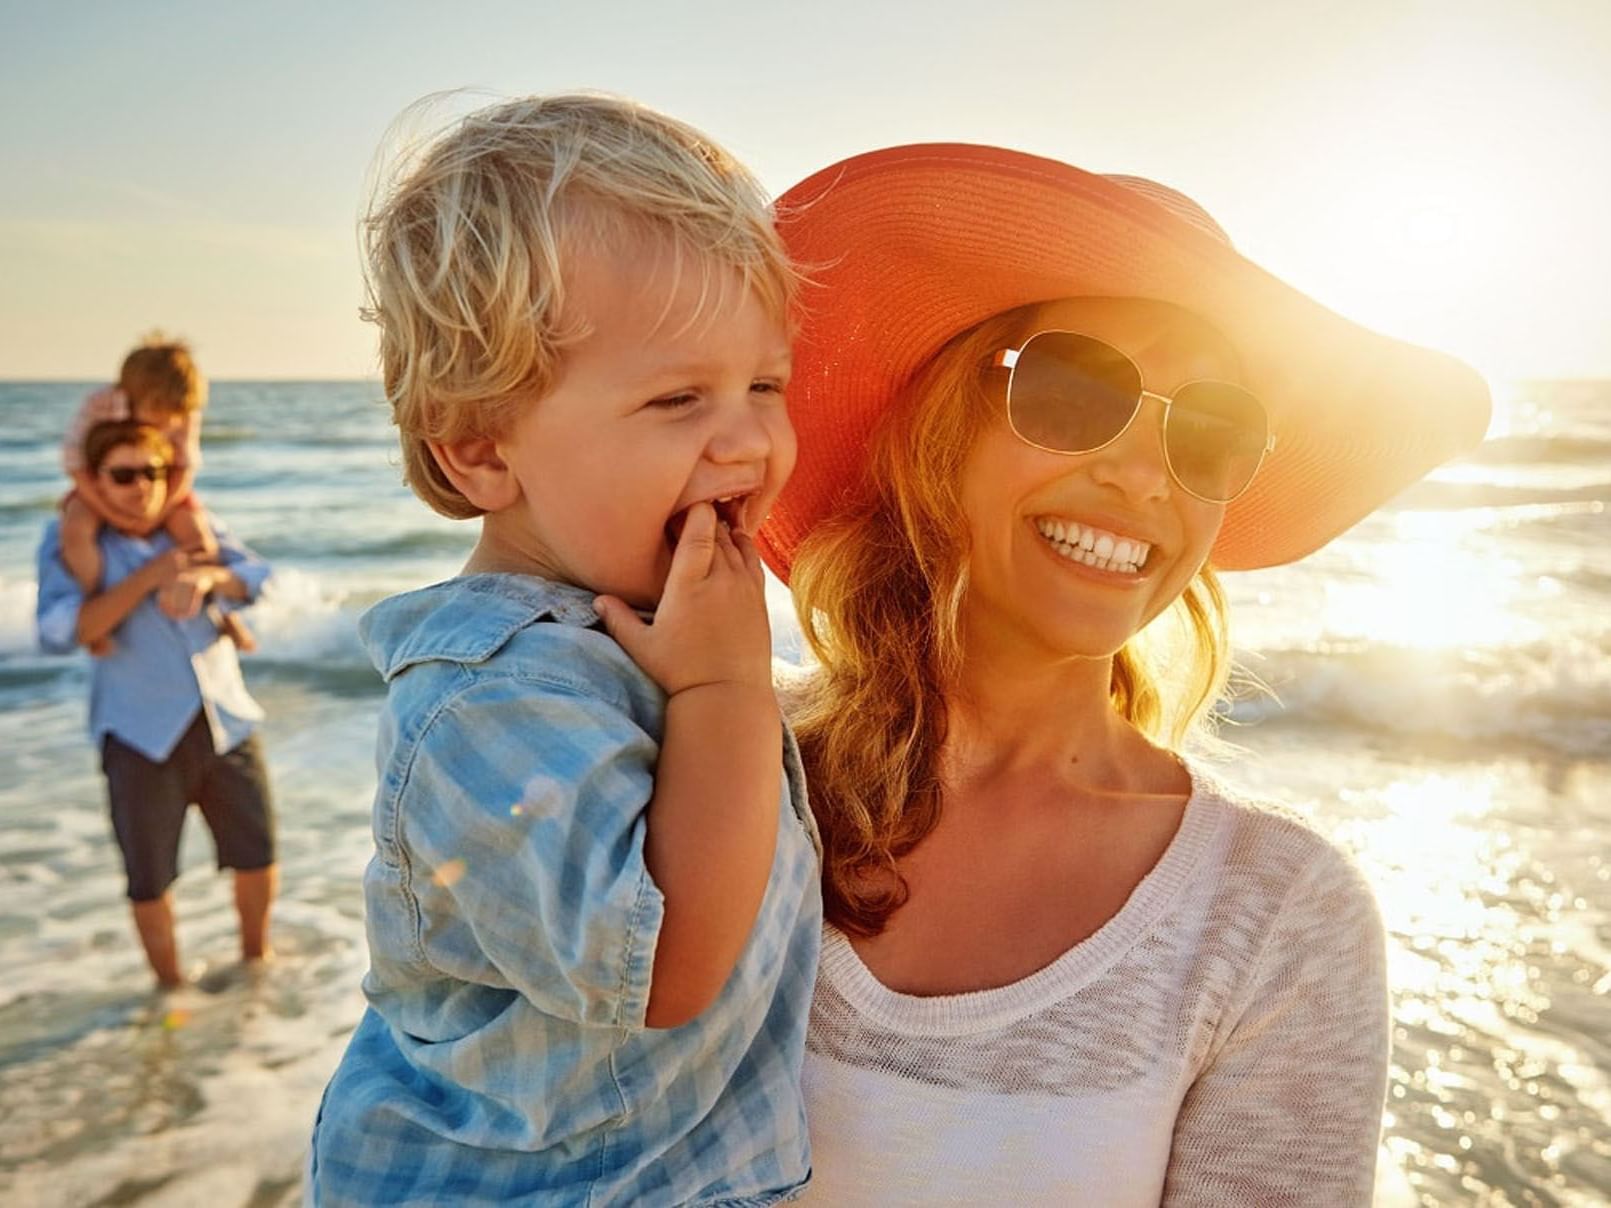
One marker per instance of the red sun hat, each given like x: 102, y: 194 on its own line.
x: 910, y: 246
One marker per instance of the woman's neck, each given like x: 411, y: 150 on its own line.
x: 1026, y: 715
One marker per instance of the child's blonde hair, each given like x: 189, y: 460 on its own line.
x: 162, y: 374
x: 467, y: 254
x: 880, y: 589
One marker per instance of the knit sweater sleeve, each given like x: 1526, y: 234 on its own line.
x: 1288, y: 1108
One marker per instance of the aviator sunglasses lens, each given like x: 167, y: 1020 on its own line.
x: 1070, y: 393
x: 1215, y: 438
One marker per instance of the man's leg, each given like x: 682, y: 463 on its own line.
x: 148, y: 805
x: 254, y: 894
x: 237, y: 804
x: 154, y: 921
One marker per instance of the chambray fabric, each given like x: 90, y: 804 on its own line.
x: 512, y: 926
x: 148, y: 690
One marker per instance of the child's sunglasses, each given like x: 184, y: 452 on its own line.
x: 1068, y: 393
x: 124, y: 475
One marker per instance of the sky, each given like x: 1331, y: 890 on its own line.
x: 1438, y: 171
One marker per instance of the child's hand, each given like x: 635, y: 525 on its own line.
x: 162, y: 569
x: 183, y: 595
x: 711, y: 626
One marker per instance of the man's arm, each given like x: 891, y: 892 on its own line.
x: 235, y: 579
x: 103, y: 612
x: 249, y: 567
x: 183, y: 594
x: 65, y: 618
x: 60, y: 597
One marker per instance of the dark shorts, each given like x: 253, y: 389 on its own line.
x: 149, y: 801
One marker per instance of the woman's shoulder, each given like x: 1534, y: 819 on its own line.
x: 1278, y: 901
x: 1275, y: 853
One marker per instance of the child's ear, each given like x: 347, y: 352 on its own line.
x: 480, y: 473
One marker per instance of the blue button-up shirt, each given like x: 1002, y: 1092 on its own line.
x: 512, y: 924
x: 149, y: 689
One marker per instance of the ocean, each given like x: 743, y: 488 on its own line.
x: 1436, y: 696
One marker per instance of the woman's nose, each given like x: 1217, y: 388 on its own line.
x: 1134, y: 463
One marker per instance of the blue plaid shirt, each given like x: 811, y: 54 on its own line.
x: 512, y: 926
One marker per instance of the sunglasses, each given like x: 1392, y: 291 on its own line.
x: 1068, y: 393
x: 125, y: 475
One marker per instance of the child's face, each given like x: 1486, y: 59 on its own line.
x: 663, y: 405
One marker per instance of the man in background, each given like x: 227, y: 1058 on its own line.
x: 169, y: 710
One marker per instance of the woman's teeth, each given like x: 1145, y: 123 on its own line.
x: 1094, y: 547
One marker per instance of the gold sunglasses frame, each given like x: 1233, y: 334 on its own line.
x: 1007, y: 358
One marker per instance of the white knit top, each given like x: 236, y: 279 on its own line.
x: 1222, y: 1040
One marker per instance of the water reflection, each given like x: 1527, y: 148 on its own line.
x: 1449, y: 588
x: 1498, y: 1093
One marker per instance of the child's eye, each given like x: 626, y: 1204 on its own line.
x: 766, y: 386
x: 674, y: 402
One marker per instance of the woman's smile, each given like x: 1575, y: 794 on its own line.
x: 1096, y: 548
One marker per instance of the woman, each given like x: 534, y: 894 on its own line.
x: 1037, y: 410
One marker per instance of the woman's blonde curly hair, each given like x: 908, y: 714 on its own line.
x: 879, y: 590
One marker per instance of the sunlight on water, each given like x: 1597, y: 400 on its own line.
x: 1436, y: 584
x: 1480, y: 935
x: 1434, y: 826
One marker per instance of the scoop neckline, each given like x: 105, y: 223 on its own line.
x: 980, y: 1010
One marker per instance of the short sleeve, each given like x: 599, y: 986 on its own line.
x: 1289, y: 1109
x: 522, y: 822
x: 245, y: 563
x: 56, y: 611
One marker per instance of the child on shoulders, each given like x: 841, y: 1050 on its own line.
x: 169, y: 714
x: 593, y: 909
x: 158, y: 385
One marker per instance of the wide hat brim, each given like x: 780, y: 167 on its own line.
x: 910, y: 246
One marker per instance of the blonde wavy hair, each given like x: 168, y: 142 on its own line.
x: 879, y: 590
x: 468, y: 239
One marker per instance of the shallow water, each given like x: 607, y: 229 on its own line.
x: 1444, y: 675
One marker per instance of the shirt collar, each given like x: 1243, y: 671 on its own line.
x: 467, y: 619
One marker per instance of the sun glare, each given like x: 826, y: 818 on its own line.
x: 1455, y: 208
x: 1434, y: 846
x: 1430, y: 587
